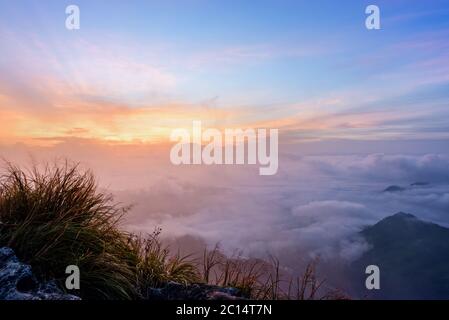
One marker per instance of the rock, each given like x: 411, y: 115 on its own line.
x: 17, y: 281
x: 198, y: 291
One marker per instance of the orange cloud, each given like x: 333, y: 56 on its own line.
x: 102, y: 121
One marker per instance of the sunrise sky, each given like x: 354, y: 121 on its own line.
x: 357, y: 111
x: 135, y: 70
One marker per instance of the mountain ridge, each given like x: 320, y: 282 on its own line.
x: 413, y: 257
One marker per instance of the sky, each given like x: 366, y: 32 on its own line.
x: 357, y: 110
x: 136, y: 70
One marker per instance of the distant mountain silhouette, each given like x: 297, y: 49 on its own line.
x: 419, y: 184
x: 413, y: 257
x: 393, y: 189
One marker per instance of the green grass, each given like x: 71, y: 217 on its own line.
x: 55, y: 217
x: 156, y: 266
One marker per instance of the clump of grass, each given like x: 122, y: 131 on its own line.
x: 263, y: 279
x: 56, y: 217
x: 156, y: 266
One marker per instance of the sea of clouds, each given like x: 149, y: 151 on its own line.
x: 315, y: 206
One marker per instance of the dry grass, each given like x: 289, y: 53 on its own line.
x: 263, y: 279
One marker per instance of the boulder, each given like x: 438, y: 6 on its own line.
x: 17, y: 281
